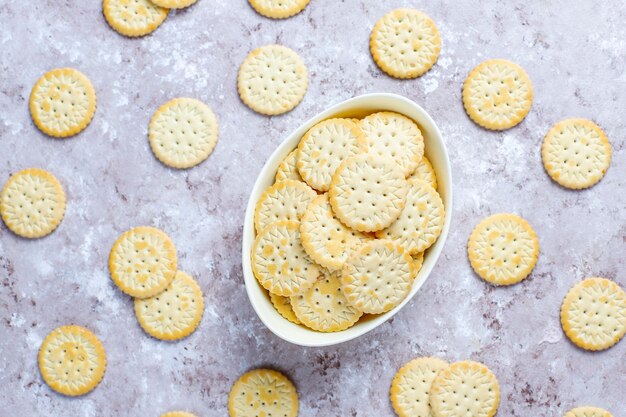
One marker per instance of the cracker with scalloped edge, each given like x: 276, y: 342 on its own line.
x: 133, y: 17
x: 263, y: 392
x: 410, y: 388
x: 285, y: 200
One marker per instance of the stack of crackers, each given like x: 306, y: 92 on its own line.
x: 343, y: 230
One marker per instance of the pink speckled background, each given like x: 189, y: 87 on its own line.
x: 574, y: 52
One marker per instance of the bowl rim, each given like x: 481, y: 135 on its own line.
x: 269, y: 168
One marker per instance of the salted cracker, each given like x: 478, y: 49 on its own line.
x: 497, y: 94
x: 285, y: 200
x: 263, y: 392
x: 593, y: 314
x: 278, y: 9
x: 279, y: 261
x: 72, y: 360
x: 327, y: 241
x: 465, y: 388
x: 32, y: 203
x: 368, y: 193
x: 576, y: 153
x: 143, y: 261
x: 394, y: 136
x: 272, y: 80
x: 425, y: 172
x: 405, y: 43
x: 324, y: 307
x: 62, y: 102
x: 183, y: 132
x: 324, y: 146
x: 377, y: 276
x: 587, y: 412
x: 133, y: 17
x: 283, y: 306
x: 503, y: 249
x: 288, y: 169
x: 410, y: 388
x: 421, y: 221
x: 175, y: 312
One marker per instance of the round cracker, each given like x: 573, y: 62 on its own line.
x: 497, y: 94
x: 421, y: 221
x: 405, y: 43
x: 465, y: 388
x: 394, y: 136
x: 368, y: 193
x: 263, y: 392
x: 143, y: 262
x: 279, y: 261
x: 410, y: 388
x: 285, y: 200
x: 32, y: 203
x: 62, y: 102
x: 593, y: 314
x: 327, y: 241
x: 377, y: 276
x: 278, y: 9
x: 133, y: 17
x: 503, y: 249
x: 425, y: 172
x: 183, y: 132
x: 288, y: 169
x: 72, y: 360
x: 324, y: 146
x: 284, y: 308
x: 324, y: 307
x: 587, y: 412
x: 174, y: 4
x: 272, y: 80
x: 174, y: 313
x: 576, y: 153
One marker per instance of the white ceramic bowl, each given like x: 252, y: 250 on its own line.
x: 359, y: 106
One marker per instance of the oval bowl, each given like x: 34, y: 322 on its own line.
x: 359, y: 106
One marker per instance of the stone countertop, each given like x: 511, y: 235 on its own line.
x: 574, y: 52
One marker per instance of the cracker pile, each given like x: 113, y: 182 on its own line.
x: 429, y: 387
x: 343, y: 230
x: 168, y: 302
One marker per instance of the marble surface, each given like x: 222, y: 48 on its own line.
x: 574, y: 53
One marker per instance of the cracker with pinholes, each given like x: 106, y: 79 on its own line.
x: 285, y: 200
x: 183, y: 132
x: 587, y: 412
x: 133, y: 17
x: 288, y: 169
x: 405, y: 43
x: 593, y: 314
x: 143, y: 261
x: 62, y: 102
x: 263, y: 392
x: 465, y: 388
x: 284, y: 308
x: 324, y: 146
x: 497, y: 94
x: 32, y: 203
x: 324, y: 307
x: 174, y: 4
x: 279, y: 261
x: 421, y: 221
x: 72, y: 360
x: 327, y: 241
x: 576, y: 153
x: 278, y: 9
x: 503, y: 249
x: 377, y: 276
x: 368, y: 193
x: 174, y: 313
x: 410, y: 388
x: 425, y: 172
x: 272, y: 80
x: 395, y: 136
